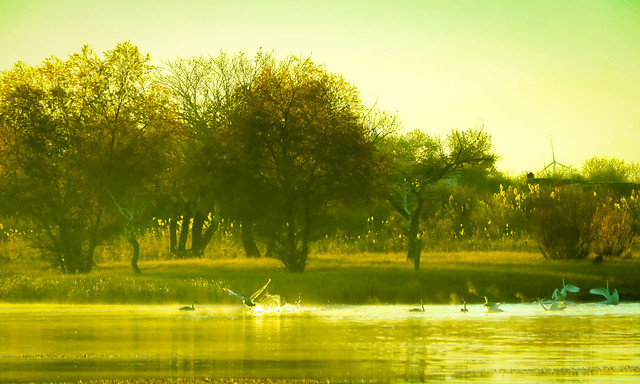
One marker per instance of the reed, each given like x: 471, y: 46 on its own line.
x: 361, y: 278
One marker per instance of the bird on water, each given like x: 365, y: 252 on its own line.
x: 492, y: 307
x: 191, y: 308
x: 421, y: 309
x: 610, y: 298
x: 559, y: 295
x: 248, y: 301
x: 464, y: 307
x: 555, y: 306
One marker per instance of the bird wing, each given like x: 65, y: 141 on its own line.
x: 600, y: 291
x: 556, y: 295
x: 234, y: 294
x: 259, y: 291
x: 615, y: 298
x: 571, y: 288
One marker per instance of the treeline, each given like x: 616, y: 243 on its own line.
x: 561, y: 218
x: 93, y: 148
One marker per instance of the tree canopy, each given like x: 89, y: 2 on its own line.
x: 298, y: 151
x: 279, y: 151
x: 420, y: 161
x: 75, y: 135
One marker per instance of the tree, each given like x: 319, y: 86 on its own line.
x: 206, y: 89
x: 298, y: 152
x: 419, y: 162
x: 74, y: 134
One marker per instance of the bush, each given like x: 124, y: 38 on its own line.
x: 562, y: 222
x: 612, y: 229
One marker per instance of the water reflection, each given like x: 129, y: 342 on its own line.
x: 584, y: 342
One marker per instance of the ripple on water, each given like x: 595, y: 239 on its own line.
x: 282, y: 340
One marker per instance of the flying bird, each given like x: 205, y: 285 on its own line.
x: 191, y: 308
x: 555, y: 306
x: 492, y: 307
x: 418, y: 309
x: 610, y: 298
x: 250, y: 301
x: 559, y: 295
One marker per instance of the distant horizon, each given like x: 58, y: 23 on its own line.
x: 566, y: 70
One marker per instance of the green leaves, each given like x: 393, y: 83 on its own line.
x: 301, y: 146
x: 74, y: 132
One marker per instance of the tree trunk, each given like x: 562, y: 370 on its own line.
x: 173, y: 229
x: 248, y: 241
x: 184, y: 235
x: 196, y: 233
x: 415, y: 250
x: 413, y: 239
x: 270, y: 252
x: 208, y: 234
x: 136, y: 253
x: 296, y: 258
x: 71, y: 255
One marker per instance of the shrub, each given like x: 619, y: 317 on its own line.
x: 612, y: 229
x: 562, y: 222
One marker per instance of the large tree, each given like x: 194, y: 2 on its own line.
x: 77, y: 135
x: 207, y: 92
x: 419, y: 162
x: 298, y: 152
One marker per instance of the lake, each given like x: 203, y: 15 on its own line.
x: 386, y: 343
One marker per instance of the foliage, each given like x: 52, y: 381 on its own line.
x: 229, y: 150
x: 612, y: 228
x: 513, y: 208
x: 207, y: 92
x: 609, y: 170
x: 74, y: 134
x: 298, y: 154
x: 561, y: 222
x: 420, y: 161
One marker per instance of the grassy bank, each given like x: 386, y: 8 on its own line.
x: 329, y: 279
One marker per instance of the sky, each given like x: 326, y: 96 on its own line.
x: 531, y: 72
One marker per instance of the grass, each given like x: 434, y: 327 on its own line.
x: 357, y: 278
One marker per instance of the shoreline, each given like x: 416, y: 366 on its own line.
x: 445, y: 278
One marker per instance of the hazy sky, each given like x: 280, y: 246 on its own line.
x: 527, y: 69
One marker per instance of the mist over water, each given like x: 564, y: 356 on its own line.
x: 587, y: 342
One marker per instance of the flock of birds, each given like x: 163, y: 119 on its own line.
x: 557, y: 303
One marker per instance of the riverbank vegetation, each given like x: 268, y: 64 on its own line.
x: 274, y: 165
x: 358, y: 278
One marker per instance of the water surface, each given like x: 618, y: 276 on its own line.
x: 584, y: 343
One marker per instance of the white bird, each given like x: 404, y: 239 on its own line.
x: 492, y: 307
x: 559, y: 295
x: 191, y: 308
x: 418, y: 309
x: 555, y: 306
x: 464, y: 306
x: 610, y: 298
x: 248, y: 301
